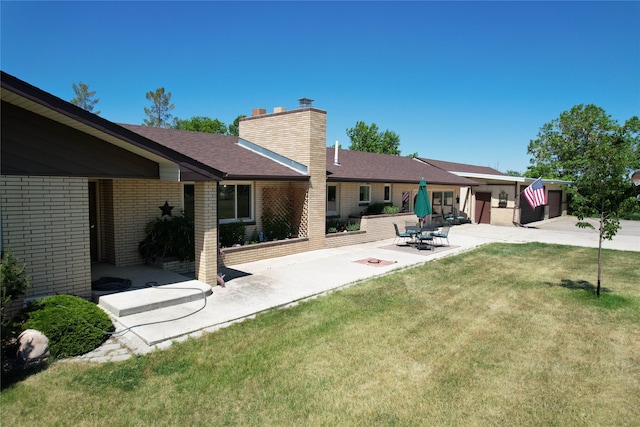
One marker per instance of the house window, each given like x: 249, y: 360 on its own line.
x: 365, y: 194
x: 387, y: 193
x: 442, y: 202
x: 235, y: 202
x: 332, y: 199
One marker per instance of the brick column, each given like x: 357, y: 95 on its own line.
x: 206, y: 232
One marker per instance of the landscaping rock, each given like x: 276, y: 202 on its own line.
x: 33, y: 346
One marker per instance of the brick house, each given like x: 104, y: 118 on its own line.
x: 77, y: 188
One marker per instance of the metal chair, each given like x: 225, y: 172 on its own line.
x: 442, y: 234
x: 400, y: 235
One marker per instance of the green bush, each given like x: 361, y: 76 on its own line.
x: 390, y: 209
x: 232, y: 233
x: 338, y: 226
x: 276, y: 227
x: 380, y: 208
x: 73, y: 325
x: 13, y: 282
x: 169, y: 237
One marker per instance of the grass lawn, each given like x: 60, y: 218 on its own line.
x: 503, y: 335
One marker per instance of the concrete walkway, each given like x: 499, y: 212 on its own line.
x: 280, y: 282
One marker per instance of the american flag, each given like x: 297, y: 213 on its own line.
x: 535, y: 194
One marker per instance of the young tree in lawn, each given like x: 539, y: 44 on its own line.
x: 369, y: 139
x: 159, y: 111
x: 84, y: 97
x: 588, y: 147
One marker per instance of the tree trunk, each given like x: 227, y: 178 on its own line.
x: 600, y: 252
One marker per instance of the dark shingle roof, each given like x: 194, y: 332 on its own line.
x: 29, y: 97
x: 462, y: 168
x: 371, y: 167
x: 221, y: 152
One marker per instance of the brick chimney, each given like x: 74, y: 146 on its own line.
x: 301, y: 135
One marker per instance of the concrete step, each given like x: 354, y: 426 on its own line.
x: 153, y: 298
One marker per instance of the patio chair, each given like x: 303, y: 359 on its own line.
x: 442, y: 234
x: 424, y: 240
x: 460, y: 217
x: 400, y: 235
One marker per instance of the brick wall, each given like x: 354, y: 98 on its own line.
x: 267, y: 250
x: 206, y: 232
x: 45, y: 223
x: 134, y: 204
x: 300, y: 135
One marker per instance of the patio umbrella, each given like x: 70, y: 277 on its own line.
x: 422, y: 206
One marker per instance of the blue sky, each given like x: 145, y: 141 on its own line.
x: 471, y: 82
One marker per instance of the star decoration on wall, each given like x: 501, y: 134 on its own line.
x: 166, y: 209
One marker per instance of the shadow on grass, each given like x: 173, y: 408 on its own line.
x: 579, y: 285
x: 607, y: 300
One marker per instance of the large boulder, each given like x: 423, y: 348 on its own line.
x: 33, y: 346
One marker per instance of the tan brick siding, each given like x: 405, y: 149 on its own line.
x: 300, y: 135
x: 206, y: 232
x: 135, y: 203
x: 45, y: 223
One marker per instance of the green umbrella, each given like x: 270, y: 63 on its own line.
x: 422, y: 206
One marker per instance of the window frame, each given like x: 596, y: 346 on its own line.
x: 386, y: 193
x: 251, y: 217
x: 362, y: 202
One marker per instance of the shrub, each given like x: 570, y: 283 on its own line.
x: 276, y: 227
x: 232, y: 233
x: 169, y: 237
x: 380, y: 208
x: 13, y: 282
x: 73, y: 325
x: 390, y: 209
x: 336, y: 226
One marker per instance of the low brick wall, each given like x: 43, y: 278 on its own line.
x: 372, y: 228
x: 260, y: 251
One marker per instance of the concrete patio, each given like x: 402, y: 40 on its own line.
x: 180, y: 307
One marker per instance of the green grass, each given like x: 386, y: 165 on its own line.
x: 502, y: 335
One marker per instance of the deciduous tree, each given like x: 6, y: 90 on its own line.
x: 200, y: 124
x: 588, y: 147
x: 369, y: 138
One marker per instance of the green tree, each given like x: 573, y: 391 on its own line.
x: 370, y: 139
x: 200, y: 124
x: 513, y: 173
x: 234, y: 128
x: 159, y: 111
x: 84, y: 97
x: 588, y: 147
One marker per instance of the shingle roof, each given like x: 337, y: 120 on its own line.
x: 221, y: 152
x: 461, y: 167
x: 29, y: 97
x: 371, y: 167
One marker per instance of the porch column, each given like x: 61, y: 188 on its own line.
x: 206, y: 231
